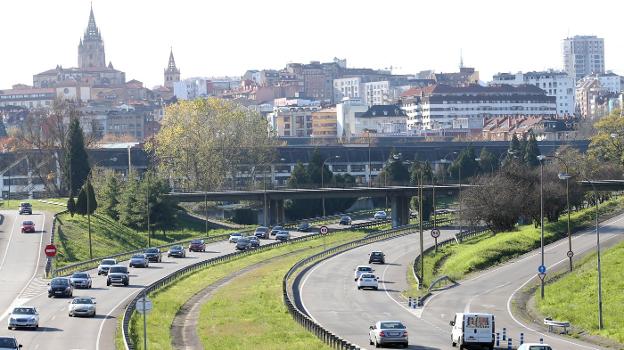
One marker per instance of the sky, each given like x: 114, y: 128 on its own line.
x: 217, y: 38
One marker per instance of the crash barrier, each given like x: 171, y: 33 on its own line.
x: 454, y: 240
x: 440, y: 279
x: 552, y: 324
x: 305, y: 320
x: 50, y: 260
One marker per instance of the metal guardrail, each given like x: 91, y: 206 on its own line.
x: 552, y: 324
x: 453, y: 240
x: 49, y: 260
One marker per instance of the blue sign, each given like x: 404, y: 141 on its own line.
x: 541, y: 269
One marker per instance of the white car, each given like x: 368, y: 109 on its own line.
x: 367, y: 280
x: 82, y: 306
x: 360, y: 270
x: 380, y: 215
x: 105, y: 265
x: 473, y: 330
x: 234, y: 237
x: 388, y: 333
x: 24, y: 317
x: 534, y: 346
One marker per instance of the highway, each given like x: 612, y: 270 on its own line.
x: 329, y: 295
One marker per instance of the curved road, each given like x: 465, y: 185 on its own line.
x: 329, y: 295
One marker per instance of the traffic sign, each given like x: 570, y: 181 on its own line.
x: 541, y: 276
x: 144, y: 306
x: 323, y: 230
x: 50, y: 250
x: 541, y: 269
x: 570, y: 254
x: 435, y: 233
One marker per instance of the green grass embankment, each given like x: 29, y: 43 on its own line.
x: 482, y: 252
x: 273, y: 321
x: 574, y: 297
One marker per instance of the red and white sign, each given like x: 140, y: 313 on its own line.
x: 50, y: 250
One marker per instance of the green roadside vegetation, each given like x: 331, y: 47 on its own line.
x: 574, y: 296
x: 275, y: 320
x: 484, y: 251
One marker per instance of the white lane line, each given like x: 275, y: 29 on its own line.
x: 99, y: 335
x: 303, y: 285
x: 6, y: 250
x: 534, y: 330
x: 469, y: 303
x: 511, y: 263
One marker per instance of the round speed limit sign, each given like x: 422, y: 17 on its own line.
x: 570, y: 254
x: 435, y: 233
x: 323, y: 230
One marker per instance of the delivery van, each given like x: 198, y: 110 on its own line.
x: 473, y: 331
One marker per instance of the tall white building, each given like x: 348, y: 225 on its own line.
x: 557, y: 84
x: 346, y: 114
x: 371, y: 93
x: 583, y: 55
x: 190, y: 89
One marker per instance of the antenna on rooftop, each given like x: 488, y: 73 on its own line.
x: 461, y: 59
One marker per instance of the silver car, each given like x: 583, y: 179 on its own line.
x: 282, y: 236
x: 105, y: 264
x: 24, y: 317
x: 388, y: 332
x: 139, y: 260
x: 82, y: 306
x: 81, y: 280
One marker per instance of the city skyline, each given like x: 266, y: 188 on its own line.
x: 217, y: 41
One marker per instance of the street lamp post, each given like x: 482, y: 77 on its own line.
x: 541, y: 159
x: 322, y: 180
x: 600, y: 322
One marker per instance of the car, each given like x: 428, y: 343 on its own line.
x: 262, y: 232
x: 345, y: 220
x: 118, y: 274
x: 9, y: 343
x: 367, y: 280
x: 377, y: 257
x: 81, y: 280
x: 276, y: 229
x: 243, y: 243
x: 380, y: 215
x: 25, y: 208
x: 82, y: 306
x: 28, y: 227
x: 388, y: 333
x: 197, y: 245
x: 234, y: 237
x: 177, y: 251
x: 534, y: 346
x: 254, y: 241
x: 473, y: 330
x: 304, y: 226
x: 60, y: 287
x: 104, y: 265
x: 362, y: 269
x: 139, y: 260
x: 153, y: 254
x: 24, y: 317
x: 282, y: 236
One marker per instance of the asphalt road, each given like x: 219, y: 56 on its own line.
x: 330, y: 296
x: 58, y: 330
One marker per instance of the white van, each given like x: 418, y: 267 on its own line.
x: 473, y: 330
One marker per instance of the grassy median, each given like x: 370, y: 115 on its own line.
x: 574, y: 297
x: 484, y: 251
x: 169, y: 300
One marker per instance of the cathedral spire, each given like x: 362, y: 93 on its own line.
x: 172, y: 73
x: 92, y: 31
x: 171, y: 66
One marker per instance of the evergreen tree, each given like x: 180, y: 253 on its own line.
x: 76, y: 160
x: 523, y: 146
x: 394, y: 171
x: 487, y: 161
x: 71, y: 205
x: 163, y: 212
x: 81, y: 202
x: 314, y: 169
x: 131, y: 208
x: 299, y: 176
x: 92, y: 202
x: 532, y: 151
x: 466, y: 162
x: 108, y: 195
x: 514, y: 150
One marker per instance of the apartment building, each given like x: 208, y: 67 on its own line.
x: 583, y: 55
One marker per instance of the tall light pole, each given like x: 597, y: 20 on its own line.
x: 541, y: 160
x: 322, y: 180
x: 600, y: 322
x: 566, y: 176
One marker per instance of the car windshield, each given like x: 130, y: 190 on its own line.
x: 138, y: 256
x: 82, y: 301
x: 28, y: 223
x: 283, y: 233
x: 59, y: 282
x: 108, y: 262
x: 277, y: 228
x: 176, y: 247
x: 152, y: 250
x: 24, y: 311
x: 118, y: 269
x: 8, y: 343
x: 25, y: 205
x: 392, y: 325
x: 80, y: 275
x: 376, y: 253
x: 540, y: 347
x: 262, y: 229
x: 236, y: 234
x: 197, y: 241
x: 345, y: 218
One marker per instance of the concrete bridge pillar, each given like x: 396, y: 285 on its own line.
x: 276, y: 211
x: 400, y: 210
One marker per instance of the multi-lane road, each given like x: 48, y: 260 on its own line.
x: 330, y: 296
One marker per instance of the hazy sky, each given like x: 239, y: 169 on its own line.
x: 211, y: 38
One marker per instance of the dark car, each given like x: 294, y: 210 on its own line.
x: 9, y: 343
x: 60, y: 287
x: 262, y: 232
x: 345, y: 220
x: 177, y: 251
x: 153, y: 254
x: 254, y: 242
x: 118, y: 274
x: 304, y: 226
x: 377, y: 257
x: 276, y: 229
x: 25, y: 208
x: 197, y: 245
x: 81, y: 280
x: 28, y: 227
x: 243, y: 244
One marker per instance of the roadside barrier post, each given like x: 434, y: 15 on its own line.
x: 409, y: 302
x: 521, y: 338
x: 497, y: 339
x: 541, y: 340
x: 509, y: 344
x: 419, y: 302
x: 504, y: 334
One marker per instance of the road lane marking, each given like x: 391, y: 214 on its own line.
x: 6, y: 250
x: 467, y: 308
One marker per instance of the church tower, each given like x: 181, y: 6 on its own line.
x: 172, y: 73
x: 91, y: 47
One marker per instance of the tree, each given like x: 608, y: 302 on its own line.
x: 108, y: 190
x: 76, y: 160
x: 531, y: 151
x: 314, y: 169
x: 131, y: 207
x: 299, y: 176
x: 203, y: 141
x: 466, y: 162
x: 522, y: 148
x: 3, y: 131
x: 608, y: 142
x: 514, y: 150
x: 92, y: 201
x: 162, y: 210
x: 487, y: 161
x: 394, y: 171
x: 71, y: 206
x: 81, y: 202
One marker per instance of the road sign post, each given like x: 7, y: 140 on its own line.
x: 144, y: 306
x: 324, y: 230
x: 435, y: 233
x: 50, y: 250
